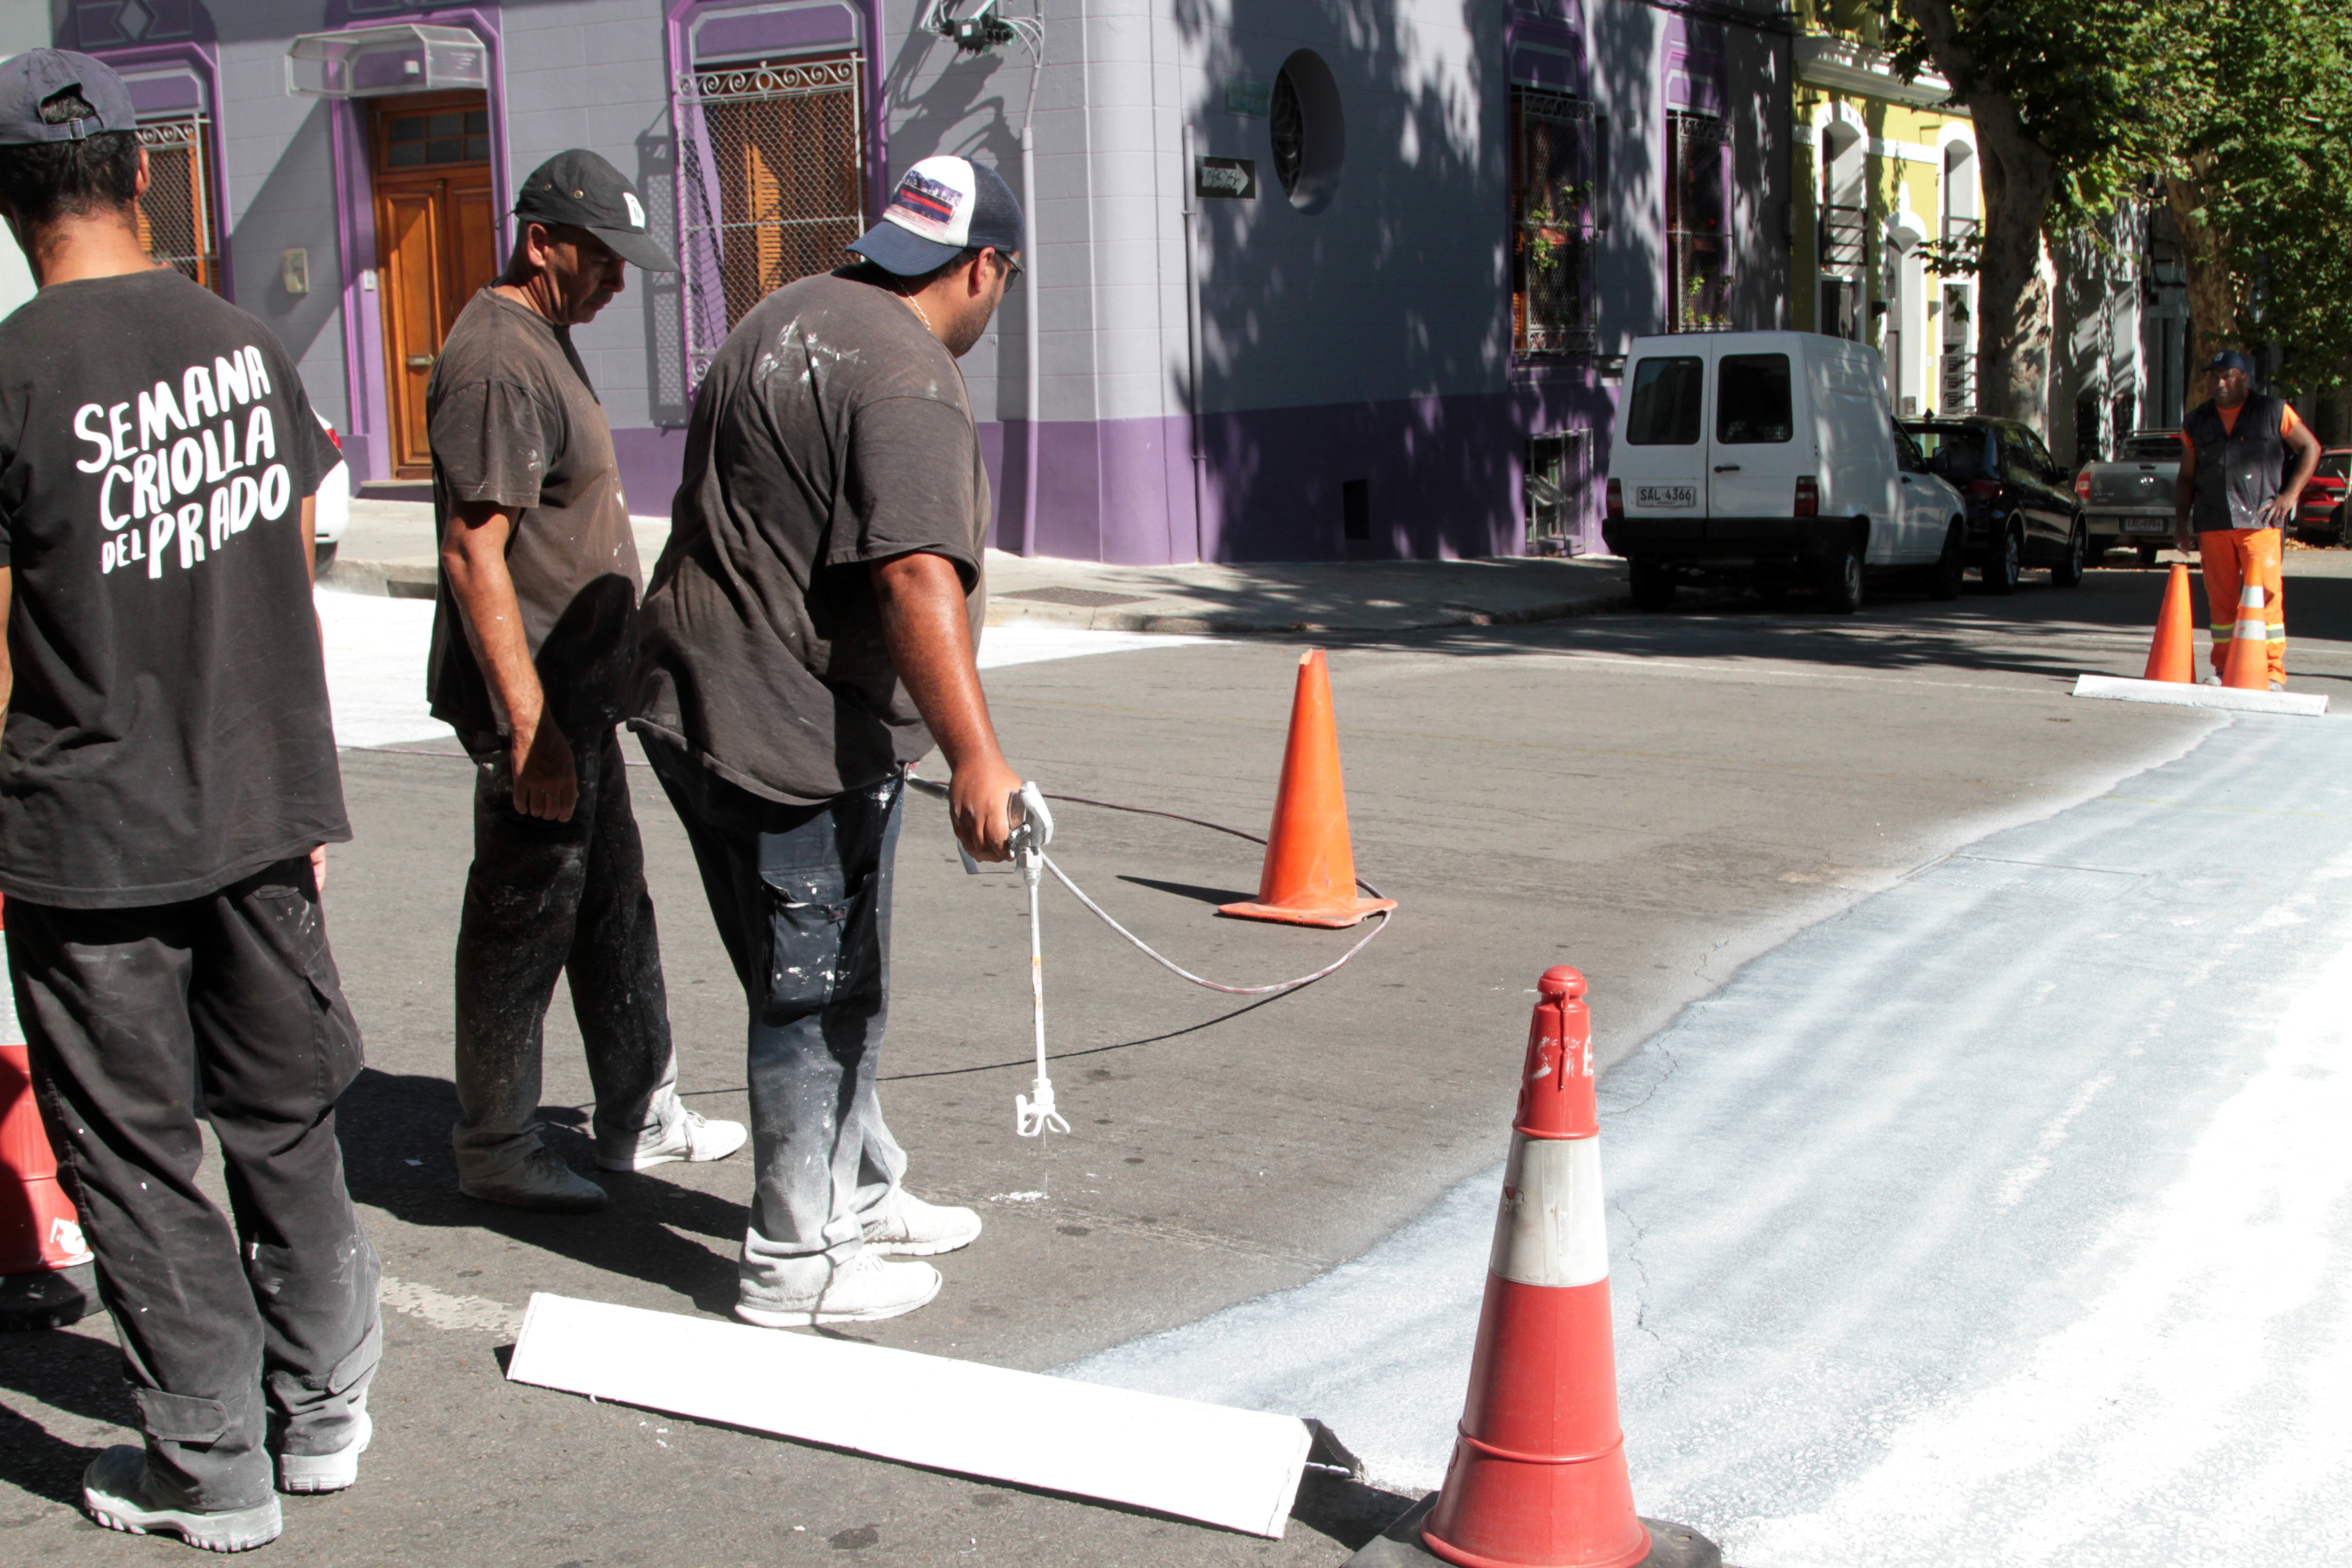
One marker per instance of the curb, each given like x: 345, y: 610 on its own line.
x: 1001, y: 613
x: 384, y: 579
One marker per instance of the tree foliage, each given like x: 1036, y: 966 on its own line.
x: 2257, y: 167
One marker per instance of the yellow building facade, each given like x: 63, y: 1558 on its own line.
x: 1884, y: 175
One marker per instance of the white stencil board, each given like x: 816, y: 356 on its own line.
x: 1238, y: 1468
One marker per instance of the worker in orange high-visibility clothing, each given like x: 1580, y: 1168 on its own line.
x: 2236, y: 445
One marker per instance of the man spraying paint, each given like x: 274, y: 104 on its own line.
x: 2229, y: 491
x: 167, y: 780
x: 531, y: 647
x: 809, y: 633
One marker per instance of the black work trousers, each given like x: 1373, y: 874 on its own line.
x: 802, y: 898
x: 544, y: 899
x: 239, y: 1333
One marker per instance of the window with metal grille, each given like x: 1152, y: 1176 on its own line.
x: 773, y: 172
x: 442, y: 136
x: 1699, y: 228
x: 175, y: 215
x: 1551, y: 223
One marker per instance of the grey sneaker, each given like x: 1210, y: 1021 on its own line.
x: 2209, y: 680
x: 542, y: 1182
x: 690, y: 1135
x: 326, y: 1472
x: 2278, y: 686
x: 867, y: 1288
x: 904, y: 1225
x: 115, y: 1491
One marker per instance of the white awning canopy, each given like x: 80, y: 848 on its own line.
x: 374, y: 62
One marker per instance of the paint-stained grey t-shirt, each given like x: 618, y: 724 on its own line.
x: 513, y: 419
x: 832, y: 431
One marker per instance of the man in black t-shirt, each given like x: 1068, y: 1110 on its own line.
x: 532, y: 646
x: 167, y: 780
x: 808, y: 633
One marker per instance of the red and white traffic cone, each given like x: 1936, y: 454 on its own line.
x: 45, y: 1278
x: 1538, y: 1475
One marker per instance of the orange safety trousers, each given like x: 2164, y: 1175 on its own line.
x: 2234, y: 557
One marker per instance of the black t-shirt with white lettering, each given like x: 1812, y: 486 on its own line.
x: 168, y: 731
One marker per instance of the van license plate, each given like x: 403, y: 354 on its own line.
x: 2147, y: 525
x: 1665, y: 495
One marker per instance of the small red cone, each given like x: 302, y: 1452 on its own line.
x: 1539, y: 1475
x: 1309, y: 874
x: 2171, y: 654
x: 45, y: 1274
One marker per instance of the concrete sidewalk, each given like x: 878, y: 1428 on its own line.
x: 388, y: 548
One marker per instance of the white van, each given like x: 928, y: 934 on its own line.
x: 1771, y: 456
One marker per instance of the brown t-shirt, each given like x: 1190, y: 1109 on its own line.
x: 513, y: 420
x: 832, y: 431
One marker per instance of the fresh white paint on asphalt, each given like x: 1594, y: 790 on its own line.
x: 2004, y: 1219
x: 376, y: 649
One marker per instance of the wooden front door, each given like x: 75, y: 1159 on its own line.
x: 436, y: 244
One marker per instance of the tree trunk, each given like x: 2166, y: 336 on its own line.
x: 2013, y: 324
x: 2212, y: 297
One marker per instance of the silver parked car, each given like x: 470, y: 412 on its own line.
x: 2130, y: 500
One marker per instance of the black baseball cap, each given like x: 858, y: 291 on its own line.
x: 943, y: 208
x: 581, y: 189
x: 2230, y: 359
x: 32, y: 78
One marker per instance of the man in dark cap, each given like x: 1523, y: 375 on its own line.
x: 167, y: 779
x: 809, y: 632
x: 532, y: 646
x: 2235, y: 493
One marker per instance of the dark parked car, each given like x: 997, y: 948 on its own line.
x: 2020, y: 504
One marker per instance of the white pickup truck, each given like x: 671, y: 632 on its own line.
x: 2130, y: 500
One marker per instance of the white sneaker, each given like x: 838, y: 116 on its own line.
x: 904, y: 1225
x: 326, y: 1472
x: 114, y: 1490
x: 542, y: 1182
x: 867, y: 1288
x: 2278, y: 686
x: 2209, y: 680
x: 692, y: 1136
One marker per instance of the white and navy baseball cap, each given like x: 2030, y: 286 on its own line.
x: 943, y: 208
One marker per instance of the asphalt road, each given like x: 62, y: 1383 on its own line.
x: 1655, y: 799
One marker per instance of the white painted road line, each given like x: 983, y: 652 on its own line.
x: 2004, y: 1219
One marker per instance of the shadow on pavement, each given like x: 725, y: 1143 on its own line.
x: 67, y: 1372
x: 2037, y: 632
x: 396, y: 1136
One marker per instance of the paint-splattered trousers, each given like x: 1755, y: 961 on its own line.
x: 244, y: 1332
x: 2232, y: 558
x: 802, y: 898
x: 545, y: 898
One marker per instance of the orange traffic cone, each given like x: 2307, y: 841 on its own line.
x: 1538, y: 1475
x: 44, y: 1267
x: 2248, y: 667
x: 2171, y: 655
x: 1309, y: 876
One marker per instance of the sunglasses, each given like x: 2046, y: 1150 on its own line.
x: 1012, y: 269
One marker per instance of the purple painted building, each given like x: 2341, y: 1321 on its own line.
x: 1314, y: 279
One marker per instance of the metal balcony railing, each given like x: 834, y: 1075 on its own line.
x: 1843, y: 232
x: 1960, y: 382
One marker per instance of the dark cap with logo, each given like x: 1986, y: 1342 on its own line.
x: 2230, y: 359
x: 581, y: 189
x: 32, y: 78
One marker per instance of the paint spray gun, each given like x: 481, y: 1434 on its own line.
x: 1032, y: 829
